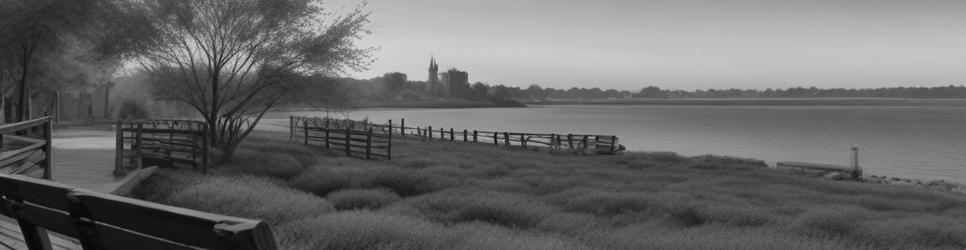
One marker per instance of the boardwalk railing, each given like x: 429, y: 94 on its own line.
x: 161, y: 142
x: 357, y: 141
x: 26, y: 148
x: 576, y: 143
x: 103, y: 221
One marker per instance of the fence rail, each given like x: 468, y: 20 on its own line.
x: 576, y: 143
x: 103, y: 221
x: 25, y: 148
x: 161, y: 142
x: 358, y: 139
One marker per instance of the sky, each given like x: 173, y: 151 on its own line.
x: 675, y: 44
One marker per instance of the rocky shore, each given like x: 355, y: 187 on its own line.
x: 934, y: 185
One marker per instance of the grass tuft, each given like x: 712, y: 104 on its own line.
x: 350, y: 199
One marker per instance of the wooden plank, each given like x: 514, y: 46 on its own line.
x: 11, y: 157
x: 175, y: 224
x: 14, y: 127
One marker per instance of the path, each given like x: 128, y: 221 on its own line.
x: 81, y: 158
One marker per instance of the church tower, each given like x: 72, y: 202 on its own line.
x: 432, y: 82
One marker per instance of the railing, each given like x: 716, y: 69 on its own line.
x: 576, y: 143
x: 161, y: 142
x: 103, y: 221
x: 26, y: 148
x: 356, y: 141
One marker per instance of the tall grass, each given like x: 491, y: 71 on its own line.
x: 469, y: 196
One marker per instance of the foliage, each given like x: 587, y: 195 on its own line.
x: 235, y: 60
x: 51, y: 45
x: 131, y: 109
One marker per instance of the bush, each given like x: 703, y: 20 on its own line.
x: 264, y: 164
x: 361, y: 230
x: 505, y: 209
x: 250, y: 197
x: 131, y: 109
x: 322, y: 181
x: 361, y: 198
x: 608, y: 204
x: 304, y: 155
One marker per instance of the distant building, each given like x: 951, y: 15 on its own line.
x: 456, y: 83
x: 433, y: 86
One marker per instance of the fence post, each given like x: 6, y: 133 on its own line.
x: 553, y: 141
x: 138, y: 154
x: 389, y: 147
x: 506, y: 138
x: 570, y: 141
x: 465, y: 132
x: 369, y: 144
x: 402, y: 128
x: 496, y: 137
x: 118, y: 148
x: 419, y: 133
x: 442, y: 134
x: 452, y: 136
x: 429, y: 130
x: 48, y: 134
x: 305, y: 128
x: 523, y: 141
x: 204, y: 148
x: 474, y: 135
x: 291, y: 128
x: 348, y: 141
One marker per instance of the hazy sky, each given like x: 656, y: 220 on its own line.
x: 676, y: 44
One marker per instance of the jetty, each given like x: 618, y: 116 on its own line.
x: 854, y: 172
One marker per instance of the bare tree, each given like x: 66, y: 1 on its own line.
x: 235, y: 60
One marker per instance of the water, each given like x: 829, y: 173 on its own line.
x: 916, y: 142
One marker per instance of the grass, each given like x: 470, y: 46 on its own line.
x: 465, y: 196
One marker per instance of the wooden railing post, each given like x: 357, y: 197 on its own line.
x: 348, y: 141
x: 506, y: 138
x: 118, y: 148
x: 474, y: 135
x: 291, y: 128
x: 452, y: 136
x: 389, y: 147
x: 429, y: 130
x: 613, y: 144
x: 48, y: 153
x: 570, y: 141
x: 496, y: 137
x: 369, y: 144
x: 465, y: 132
x: 138, y: 155
x: 402, y: 128
x: 523, y: 141
x: 553, y: 141
x: 305, y: 129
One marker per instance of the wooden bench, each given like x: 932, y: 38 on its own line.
x: 103, y: 221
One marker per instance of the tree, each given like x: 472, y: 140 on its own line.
x: 47, y: 45
x: 235, y: 60
x: 393, y: 82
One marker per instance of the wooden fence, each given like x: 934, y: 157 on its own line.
x: 25, y: 148
x: 358, y: 139
x: 576, y: 143
x: 103, y: 221
x: 161, y: 142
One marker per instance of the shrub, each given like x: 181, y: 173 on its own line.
x: 608, y: 204
x: 506, y: 209
x: 361, y: 198
x: 830, y: 222
x: 304, y: 155
x: 250, y: 197
x: 321, y: 181
x: 131, y: 109
x: 264, y: 164
x: 164, y: 183
x: 361, y: 229
x: 472, y: 236
x: 921, y: 230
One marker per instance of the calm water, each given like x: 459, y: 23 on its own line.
x: 918, y: 142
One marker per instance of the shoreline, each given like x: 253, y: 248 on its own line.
x: 901, y: 102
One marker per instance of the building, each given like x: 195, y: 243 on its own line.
x: 456, y: 83
x: 433, y: 86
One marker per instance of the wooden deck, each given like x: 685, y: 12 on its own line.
x: 81, y: 158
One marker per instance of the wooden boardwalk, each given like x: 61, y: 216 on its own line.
x: 81, y: 158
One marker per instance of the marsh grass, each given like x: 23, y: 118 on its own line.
x: 471, y: 196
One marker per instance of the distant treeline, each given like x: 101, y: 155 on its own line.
x: 396, y: 86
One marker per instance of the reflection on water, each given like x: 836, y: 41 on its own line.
x: 918, y: 142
